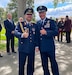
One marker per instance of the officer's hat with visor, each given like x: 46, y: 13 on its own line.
x: 41, y: 9
x: 29, y: 11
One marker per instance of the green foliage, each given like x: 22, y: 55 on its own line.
x: 2, y: 46
x: 30, y: 3
x: 1, y: 14
x: 3, y: 40
x: 12, y: 7
x: 57, y: 1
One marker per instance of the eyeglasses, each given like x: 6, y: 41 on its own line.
x: 29, y: 14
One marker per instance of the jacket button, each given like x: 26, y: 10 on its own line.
x: 40, y: 34
x: 30, y: 40
x: 30, y: 34
x: 40, y: 38
x: 30, y: 31
x: 21, y: 42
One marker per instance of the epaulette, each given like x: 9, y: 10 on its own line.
x: 32, y: 22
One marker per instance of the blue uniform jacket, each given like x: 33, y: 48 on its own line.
x: 46, y: 42
x: 27, y: 45
x: 9, y: 27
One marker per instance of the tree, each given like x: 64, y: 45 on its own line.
x: 22, y: 5
x: 30, y: 3
x: 12, y: 7
x: 17, y: 7
x: 57, y: 1
x: 1, y: 14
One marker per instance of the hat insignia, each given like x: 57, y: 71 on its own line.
x: 29, y: 11
x: 40, y: 7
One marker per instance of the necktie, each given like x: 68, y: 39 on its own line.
x: 42, y: 22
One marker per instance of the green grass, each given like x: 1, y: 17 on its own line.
x: 3, y: 40
x: 2, y: 34
x: 3, y: 45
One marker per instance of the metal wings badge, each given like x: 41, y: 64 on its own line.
x: 47, y: 25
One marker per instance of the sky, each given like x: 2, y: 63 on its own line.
x: 61, y: 10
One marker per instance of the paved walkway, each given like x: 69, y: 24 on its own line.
x: 9, y: 63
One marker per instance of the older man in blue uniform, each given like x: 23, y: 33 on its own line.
x: 47, y: 30
x: 26, y: 32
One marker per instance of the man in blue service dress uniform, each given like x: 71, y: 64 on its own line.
x: 26, y: 32
x: 47, y: 30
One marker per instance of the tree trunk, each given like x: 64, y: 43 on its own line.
x: 21, y: 7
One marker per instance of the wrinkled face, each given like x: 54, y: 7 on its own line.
x: 42, y: 15
x: 9, y: 16
x: 28, y: 17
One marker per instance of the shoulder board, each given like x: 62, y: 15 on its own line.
x: 32, y: 22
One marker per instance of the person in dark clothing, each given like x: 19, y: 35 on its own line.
x: 9, y: 26
x: 27, y: 33
x: 67, y: 27
x: 47, y: 29
x: 60, y: 29
x: 0, y: 37
x: 56, y: 21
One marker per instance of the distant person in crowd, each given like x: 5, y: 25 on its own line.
x: 56, y: 21
x: 67, y: 27
x: 60, y: 29
x: 0, y: 37
x: 51, y: 18
x: 21, y: 19
x: 9, y: 26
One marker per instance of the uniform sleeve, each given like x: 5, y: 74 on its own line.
x: 53, y: 31
x: 18, y: 32
x: 37, y: 37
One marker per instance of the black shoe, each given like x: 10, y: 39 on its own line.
x: 14, y: 52
x: 1, y: 56
x: 68, y: 42
x: 8, y: 53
